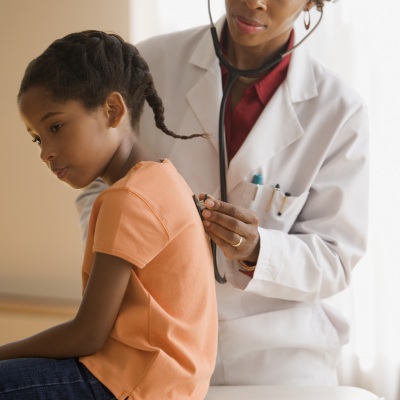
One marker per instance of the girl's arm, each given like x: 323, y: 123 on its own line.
x: 88, y: 331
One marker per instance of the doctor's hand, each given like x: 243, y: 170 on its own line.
x: 234, y: 229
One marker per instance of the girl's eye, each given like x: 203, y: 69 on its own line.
x: 37, y: 140
x: 55, y: 128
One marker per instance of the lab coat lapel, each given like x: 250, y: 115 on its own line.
x: 278, y: 126
x: 204, y: 97
x: 200, y: 115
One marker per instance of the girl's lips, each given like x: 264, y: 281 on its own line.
x: 248, y: 25
x: 60, y: 172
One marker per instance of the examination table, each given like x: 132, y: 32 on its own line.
x: 288, y: 393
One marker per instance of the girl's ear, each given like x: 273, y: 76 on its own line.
x: 115, y: 109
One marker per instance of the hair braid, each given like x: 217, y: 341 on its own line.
x: 149, y: 92
x: 156, y: 104
x: 88, y: 66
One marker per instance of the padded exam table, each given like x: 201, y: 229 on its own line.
x: 288, y: 393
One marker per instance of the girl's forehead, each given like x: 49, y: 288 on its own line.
x: 37, y: 102
x: 34, y: 105
x: 34, y: 94
x: 31, y: 99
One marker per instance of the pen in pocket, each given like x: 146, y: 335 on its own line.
x: 256, y: 180
x: 287, y: 194
x: 276, y: 189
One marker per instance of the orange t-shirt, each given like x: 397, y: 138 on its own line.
x: 163, y: 343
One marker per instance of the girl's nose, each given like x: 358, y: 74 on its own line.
x: 256, y: 4
x: 47, y: 153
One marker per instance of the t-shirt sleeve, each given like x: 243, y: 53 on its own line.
x: 127, y: 227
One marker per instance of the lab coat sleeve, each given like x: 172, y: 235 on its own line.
x: 84, y: 203
x: 315, y: 258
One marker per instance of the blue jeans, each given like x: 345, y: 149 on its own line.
x: 48, y: 379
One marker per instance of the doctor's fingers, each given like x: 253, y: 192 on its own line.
x: 233, y: 245
x: 236, y: 238
x: 236, y: 219
x: 222, y: 208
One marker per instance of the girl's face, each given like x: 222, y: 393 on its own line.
x: 263, y: 24
x: 76, y: 144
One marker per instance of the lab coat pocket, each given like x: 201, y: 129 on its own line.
x: 293, y: 339
x: 275, y: 209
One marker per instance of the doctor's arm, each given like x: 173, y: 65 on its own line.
x: 314, y: 259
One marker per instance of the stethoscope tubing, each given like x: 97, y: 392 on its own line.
x: 233, y: 74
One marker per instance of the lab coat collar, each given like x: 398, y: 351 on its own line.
x: 300, y: 80
x: 202, y: 56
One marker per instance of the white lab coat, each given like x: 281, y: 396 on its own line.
x: 311, y: 139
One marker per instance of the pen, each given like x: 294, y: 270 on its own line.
x: 287, y: 194
x: 276, y: 189
x: 256, y: 180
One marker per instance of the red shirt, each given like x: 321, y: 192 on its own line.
x: 240, y: 121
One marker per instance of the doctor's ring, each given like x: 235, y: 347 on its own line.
x: 238, y: 243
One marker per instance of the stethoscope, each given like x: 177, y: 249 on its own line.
x: 233, y: 74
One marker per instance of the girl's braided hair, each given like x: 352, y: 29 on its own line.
x: 88, y: 66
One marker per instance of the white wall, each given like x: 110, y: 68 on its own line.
x: 40, y: 248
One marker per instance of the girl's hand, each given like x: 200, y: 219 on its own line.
x: 234, y: 229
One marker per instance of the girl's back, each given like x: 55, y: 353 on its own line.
x: 163, y: 344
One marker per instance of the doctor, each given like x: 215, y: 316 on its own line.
x: 295, y: 223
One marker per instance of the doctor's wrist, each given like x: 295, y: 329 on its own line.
x: 247, y: 266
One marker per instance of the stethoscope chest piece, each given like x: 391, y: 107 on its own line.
x: 200, y: 204
x: 200, y: 207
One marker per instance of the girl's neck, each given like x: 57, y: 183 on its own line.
x: 126, y: 157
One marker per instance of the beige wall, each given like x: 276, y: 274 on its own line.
x: 23, y: 316
x: 40, y: 247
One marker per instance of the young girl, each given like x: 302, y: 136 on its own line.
x: 147, y: 324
